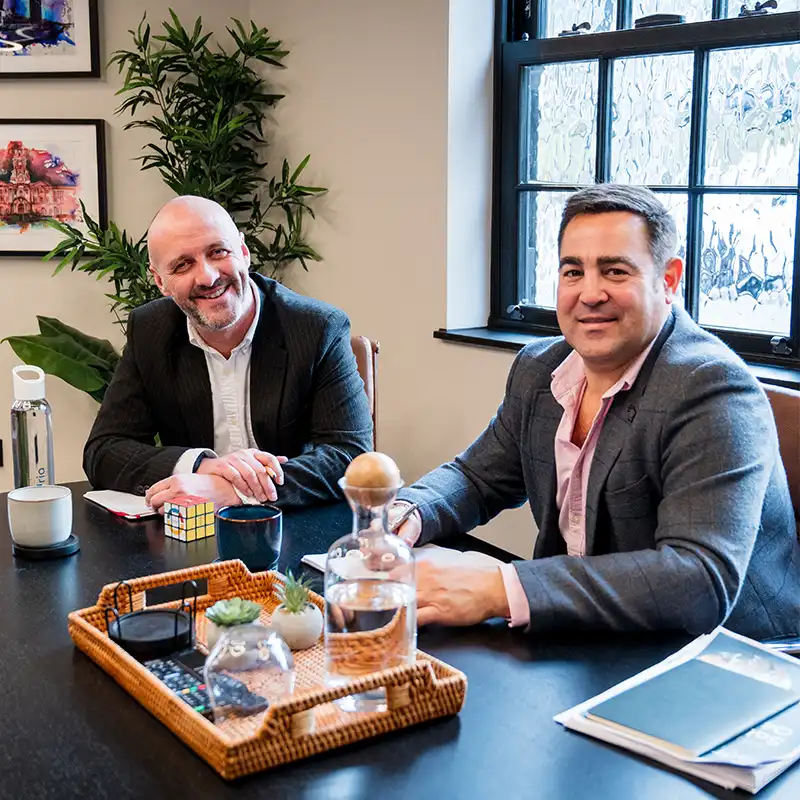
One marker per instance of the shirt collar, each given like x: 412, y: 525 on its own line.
x: 198, y: 341
x: 570, y: 374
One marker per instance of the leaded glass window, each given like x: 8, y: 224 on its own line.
x: 706, y: 113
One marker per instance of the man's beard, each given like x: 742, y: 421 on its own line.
x: 200, y: 320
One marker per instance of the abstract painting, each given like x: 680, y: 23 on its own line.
x: 47, y: 168
x: 49, y: 38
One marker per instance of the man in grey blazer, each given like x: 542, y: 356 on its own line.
x: 647, y: 451
x: 252, y: 389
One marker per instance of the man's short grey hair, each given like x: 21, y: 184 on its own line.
x: 605, y: 197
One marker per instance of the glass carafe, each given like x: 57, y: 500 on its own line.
x: 370, y: 599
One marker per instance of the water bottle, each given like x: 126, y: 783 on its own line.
x: 31, y: 429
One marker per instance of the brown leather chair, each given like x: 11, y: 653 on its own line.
x: 366, y: 353
x: 786, y: 408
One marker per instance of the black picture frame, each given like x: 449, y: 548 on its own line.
x: 96, y: 194
x: 60, y: 70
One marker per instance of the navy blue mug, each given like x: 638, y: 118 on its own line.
x: 250, y: 533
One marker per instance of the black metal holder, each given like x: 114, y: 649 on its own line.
x: 759, y: 10
x: 153, y: 632
x: 656, y: 20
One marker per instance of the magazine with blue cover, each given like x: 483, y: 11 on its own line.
x: 748, y: 759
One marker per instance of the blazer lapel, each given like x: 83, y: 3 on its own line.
x: 615, y: 430
x: 268, y: 365
x: 612, y: 439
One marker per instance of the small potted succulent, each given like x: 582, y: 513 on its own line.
x: 297, y: 619
x: 227, y: 613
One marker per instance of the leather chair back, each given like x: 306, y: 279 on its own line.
x: 366, y: 353
x: 786, y: 408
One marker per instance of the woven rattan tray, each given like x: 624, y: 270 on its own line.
x: 294, y: 728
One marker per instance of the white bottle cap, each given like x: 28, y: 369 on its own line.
x: 28, y: 383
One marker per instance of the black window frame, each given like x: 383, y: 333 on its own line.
x: 517, y: 46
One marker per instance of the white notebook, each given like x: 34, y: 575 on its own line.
x: 123, y: 504
x: 441, y: 556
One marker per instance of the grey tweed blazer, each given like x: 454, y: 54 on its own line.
x: 688, y: 518
x: 307, y: 400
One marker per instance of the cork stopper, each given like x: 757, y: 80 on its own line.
x: 372, y: 479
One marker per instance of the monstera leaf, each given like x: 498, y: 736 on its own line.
x: 83, y: 361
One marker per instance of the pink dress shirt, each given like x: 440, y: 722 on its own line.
x: 572, y: 466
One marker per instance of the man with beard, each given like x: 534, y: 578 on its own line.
x: 252, y: 389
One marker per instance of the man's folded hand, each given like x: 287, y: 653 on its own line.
x: 255, y: 473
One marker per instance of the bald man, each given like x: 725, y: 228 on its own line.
x: 251, y: 388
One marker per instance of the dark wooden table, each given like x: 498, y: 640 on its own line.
x: 67, y: 730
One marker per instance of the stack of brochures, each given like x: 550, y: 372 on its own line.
x: 724, y: 708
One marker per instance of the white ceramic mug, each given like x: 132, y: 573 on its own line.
x: 40, y: 516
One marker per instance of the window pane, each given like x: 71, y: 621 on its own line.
x: 540, y: 217
x: 651, y: 119
x: 693, y: 10
x: 735, y: 6
x: 563, y: 14
x: 746, y: 262
x: 753, y: 134
x: 559, y: 123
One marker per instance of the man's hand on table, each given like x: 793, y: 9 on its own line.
x: 459, y: 595
x: 254, y: 473
x: 218, y: 490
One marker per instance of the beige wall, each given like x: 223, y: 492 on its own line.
x: 393, y: 101
x: 77, y: 299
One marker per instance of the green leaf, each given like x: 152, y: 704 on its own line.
x: 300, y: 168
x: 101, y: 348
x: 59, y: 356
x: 235, y: 611
x: 99, y: 394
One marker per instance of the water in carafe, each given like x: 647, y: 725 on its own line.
x: 370, y: 598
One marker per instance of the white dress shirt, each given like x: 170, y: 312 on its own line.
x: 230, y: 393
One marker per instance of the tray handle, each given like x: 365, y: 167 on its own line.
x: 300, y: 711
x: 220, y: 576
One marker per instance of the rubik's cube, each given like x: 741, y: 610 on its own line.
x: 188, y: 518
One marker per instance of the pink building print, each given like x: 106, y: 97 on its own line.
x: 36, y: 185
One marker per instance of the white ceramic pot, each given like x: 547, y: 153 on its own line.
x: 40, y: 516
x: 299, y: 631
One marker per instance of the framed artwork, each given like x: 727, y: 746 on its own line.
x: 47, y: 167
x: 49, y: 39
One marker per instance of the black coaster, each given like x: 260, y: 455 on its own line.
x: 68, y: 547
